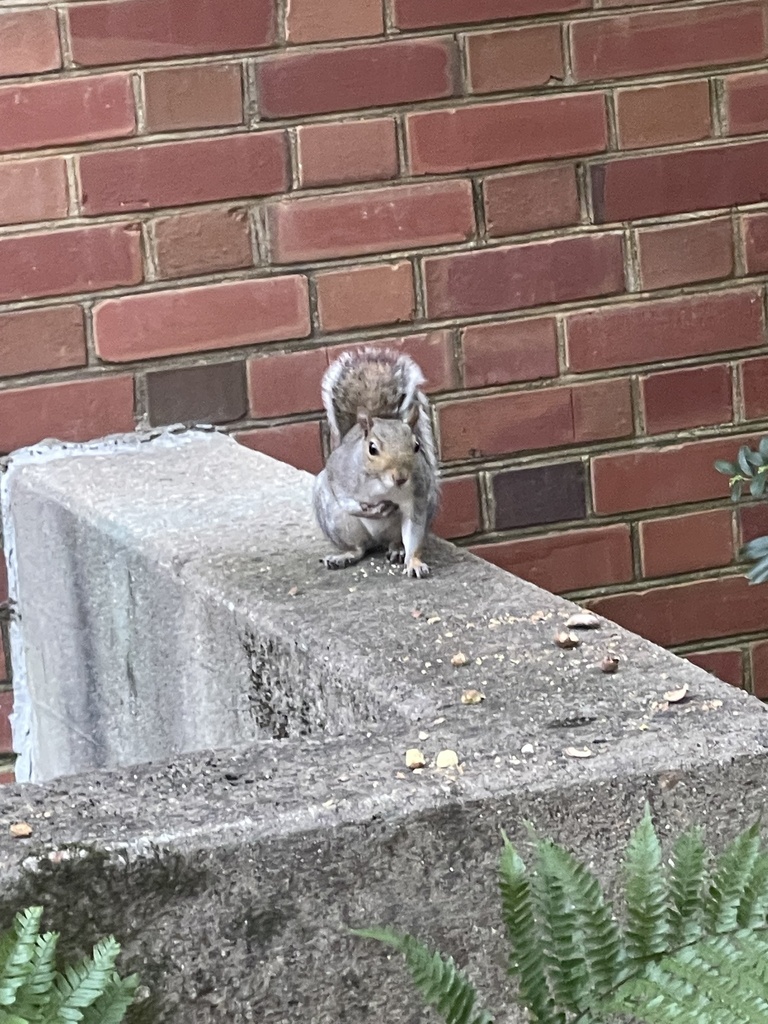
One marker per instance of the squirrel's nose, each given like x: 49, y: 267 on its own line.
x: 400, y: 479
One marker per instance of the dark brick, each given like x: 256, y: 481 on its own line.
x: 198, y: 394
x: 541, y: 494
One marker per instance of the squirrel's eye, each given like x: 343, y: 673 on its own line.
x: 416, y: 446
x: 372, y: 449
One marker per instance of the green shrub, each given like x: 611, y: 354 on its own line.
x: 33, y: 991
x: 687, y: 942
x: 750, y: 471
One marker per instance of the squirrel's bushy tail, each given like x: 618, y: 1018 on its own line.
x: 386, y: 384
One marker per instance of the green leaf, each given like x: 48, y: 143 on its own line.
x: 743, y: 460
x: 756, y: 548
x: 79, y: 986
x: 686, y: 878
x: 647, y: 929
x: 438, y: 979
x: 763, y: 447
x: 17, y: 951
x: 34, y: 994
x: 110, y: 1007
x: 737, y: 485
x: 731, y: 878
x: 757, y: 485
x: 727, y: 468
x: 759, y: 572
x: 527, y: 953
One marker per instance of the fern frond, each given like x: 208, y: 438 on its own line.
x: 79, y: 986
x: 439, y: 981
x: 34, y: 994
x: 527, y: 954
x: 753, y: 905
x: 686, y: 878
x: 732, y: 876
x: 647, y: 928
x: 111, y: 1005
x: 722, y: 979
x: 17, y: 952
x: 10, y: 1018
x: 596, y: 932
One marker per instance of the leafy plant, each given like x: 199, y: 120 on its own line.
x: 33, y: 991
x: 750, y: 471
x: 686, y: 944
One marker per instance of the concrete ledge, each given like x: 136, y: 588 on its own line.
x: 171, y: 602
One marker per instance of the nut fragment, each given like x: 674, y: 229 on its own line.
x: 583, y: 620
x: 675, y: 696
x: 459, y: 659
x: 414, y: 758
x: 472, y: 697
x: 578, y: 752
x: 609, y: 664
x: 566, y: 640
x: 20, y: 830
x: 527, y: 748
x: 293, y: 592
x: 447, y: 759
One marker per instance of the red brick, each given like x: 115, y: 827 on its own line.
x: 683, y: 253
x: 534, y: 420
x: 516, y: 58
x: 33, y: 190
x: 193, y: 97
x: 365, y: 296
x: 335, y: 154
x: 531, y: 200
x: 657, y: 115
x: 638, y: 44
x: 746, y: 99
x: 726, y: 665
x: 202, y: 319
x: 183, y: 173
x: 70, y: 110
x: 649, y: 332
x: 298, y: 444
x: 67, y: 262
x: 521, y: 276
x: 754, y: 387
x: 505, y: 353
x: 681, y: 614
x: 697, y: 179
x: 284, y: 383
x: 29, y: 42
x: 755, y: 228
x: 753, y: 521
x: 311, y: 21
x: 381, y: 220
x: 679, y: 399
x: 690, y: 543
x: 656, y: 477
x: 135, y: 30
x: 6, y: 707
x: 34, y: 340
x: 352, y: 78
x: 75, y: 411
x: 759, y: 658
x: 521, y: 131
x: 7, y: 778
x: 435, y: 13
x: 202, y: 242
x: 562, y: 562
x: 459, y: 511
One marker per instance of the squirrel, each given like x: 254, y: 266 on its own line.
x: 379, y: 487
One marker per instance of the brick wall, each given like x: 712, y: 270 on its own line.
x: 555, y: 207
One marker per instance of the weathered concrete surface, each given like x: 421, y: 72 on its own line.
x: 231, y: 875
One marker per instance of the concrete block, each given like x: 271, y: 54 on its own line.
x: 173, y: 611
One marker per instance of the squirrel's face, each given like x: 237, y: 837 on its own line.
x: 390, y: 449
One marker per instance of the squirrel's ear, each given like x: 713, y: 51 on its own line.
x: 413, y: 416
x: 364, y: 420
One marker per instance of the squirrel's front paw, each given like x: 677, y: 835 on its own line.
x: 378, y: 511
x: 416, y: 568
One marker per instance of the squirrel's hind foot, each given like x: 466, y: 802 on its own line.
x: 343, y: 559
x: 416, y: 568
x: 396, y: 554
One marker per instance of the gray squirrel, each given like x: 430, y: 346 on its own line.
x: 379, y: 487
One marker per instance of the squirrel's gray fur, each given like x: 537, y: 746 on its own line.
x: 379, y: 487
